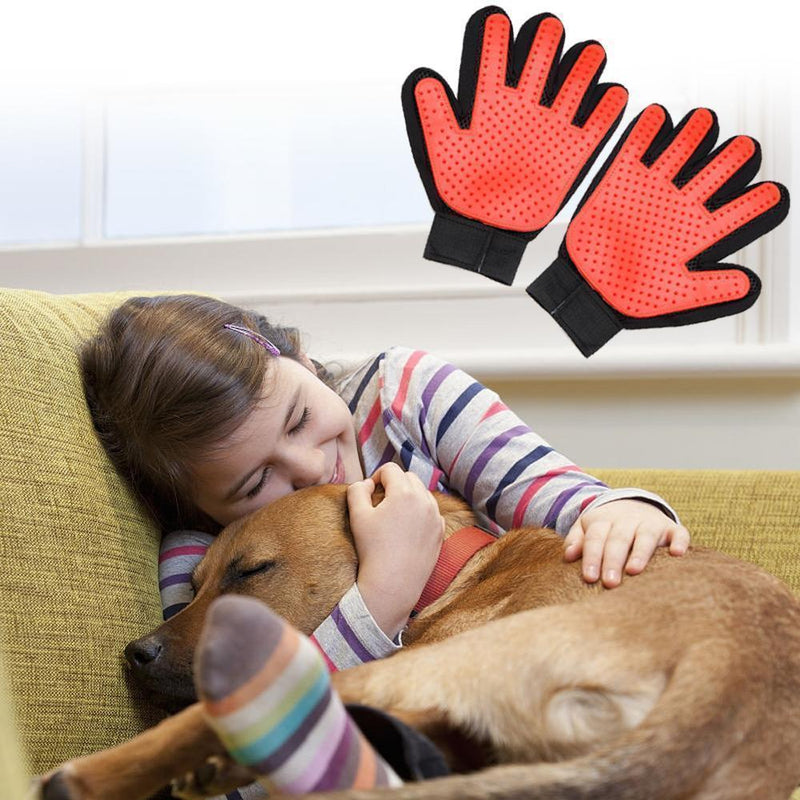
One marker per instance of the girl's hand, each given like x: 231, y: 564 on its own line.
x: 397, y: 543
x: 622, y: 534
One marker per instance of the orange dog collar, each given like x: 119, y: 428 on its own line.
x: 456, y: 551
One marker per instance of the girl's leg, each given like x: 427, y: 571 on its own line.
x: 267, y: 694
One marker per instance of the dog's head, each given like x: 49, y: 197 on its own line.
x: 296, y: 554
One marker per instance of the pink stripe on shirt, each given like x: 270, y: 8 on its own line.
x: 331, y: 667
x: 188, y: 550
x: 494, y: 408
x: 458, y: 455
x: 369, y: 423
x: 522, y: 506
x: 402, y: 390
x: 437, y: 473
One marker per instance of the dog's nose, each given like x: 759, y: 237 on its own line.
x: 143, y: 651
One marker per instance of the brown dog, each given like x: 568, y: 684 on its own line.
x: 684, y: 682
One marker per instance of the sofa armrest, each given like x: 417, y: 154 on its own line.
x: 78, y: 556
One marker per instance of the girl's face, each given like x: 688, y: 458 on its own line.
x: 300, y: 434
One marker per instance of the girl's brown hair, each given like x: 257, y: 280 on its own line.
x: 165, y: 382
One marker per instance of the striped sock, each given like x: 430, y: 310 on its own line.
x: 267, y: 694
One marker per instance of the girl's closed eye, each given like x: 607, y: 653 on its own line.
x: 260, y: 485
x: 302, y: 422
x: 295, y: 429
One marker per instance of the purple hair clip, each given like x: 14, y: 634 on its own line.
x: 256, y: 337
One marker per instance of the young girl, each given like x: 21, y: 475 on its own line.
x: 211, y: 412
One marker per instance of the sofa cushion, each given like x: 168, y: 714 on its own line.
x: 78, y: 555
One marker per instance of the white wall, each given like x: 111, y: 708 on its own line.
x: 702, y: 422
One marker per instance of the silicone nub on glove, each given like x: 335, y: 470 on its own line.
x: 642, y: 250
x: 499, y: 161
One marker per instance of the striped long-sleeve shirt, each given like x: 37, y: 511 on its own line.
x: 458, y: 436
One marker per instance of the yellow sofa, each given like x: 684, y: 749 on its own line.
x: 78, y: 558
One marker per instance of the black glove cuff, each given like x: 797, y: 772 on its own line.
x: 474, y: 246
x: 585, y: 317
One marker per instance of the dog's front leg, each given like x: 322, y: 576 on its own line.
x: 219, y: 775
x: 392, y: 685
x: 140, y: 767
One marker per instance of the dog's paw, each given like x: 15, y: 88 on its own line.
x: 218, y: 775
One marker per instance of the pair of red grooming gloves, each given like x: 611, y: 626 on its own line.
x: 500, y: 159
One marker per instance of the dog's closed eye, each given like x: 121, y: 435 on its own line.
x: 256, y: 569
x: 239, y: 570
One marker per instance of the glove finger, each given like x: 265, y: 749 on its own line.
x: 579, y: 72
x: 604, y: 108
x: 693, y: 138
x: 642, y: 135
x: 435, y: 108
x: 726, y: 172
x: 724, y: 283
x: 748, y: 216
x: 536, y: 55
x: 493, y: 70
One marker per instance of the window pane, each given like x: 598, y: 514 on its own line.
x: 215, y: 163
x: 40, y: 165
x: 351, y: 161
x: 187, y: 165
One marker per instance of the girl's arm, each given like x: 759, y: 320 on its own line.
x: 459, y: 436
x: 512, y: 477
x: 454, y: 434
x: 397, y: 542
x: 180, y: 553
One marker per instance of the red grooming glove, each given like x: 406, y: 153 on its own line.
x: 643, y: 248
x: 499, y: 161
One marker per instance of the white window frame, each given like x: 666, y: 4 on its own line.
x: 311, y: 271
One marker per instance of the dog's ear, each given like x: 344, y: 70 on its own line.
x: 378, y: 495
x: 456, y: 511
x: 346, y: 513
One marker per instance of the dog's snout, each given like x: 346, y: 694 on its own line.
x: 143, y: 651
x: 162, y: 668
x: 56, y: 788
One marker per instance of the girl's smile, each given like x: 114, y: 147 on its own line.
x: 300, y: 434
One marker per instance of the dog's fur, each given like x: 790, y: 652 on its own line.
x: 684, y: 682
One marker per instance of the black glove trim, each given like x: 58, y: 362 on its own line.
x: 472, y: 245
x: 585, y: 317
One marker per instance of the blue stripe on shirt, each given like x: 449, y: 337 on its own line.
x: 353, y: 404
x: 510, y: 476
x: 561, y: 501
x: 430, y: 390
x: 350, y: 636
x: 486, y: 455
x: 406, y: 454
x: 171, y: 611
x: 458, y: 406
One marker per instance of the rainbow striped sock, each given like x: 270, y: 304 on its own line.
x: 267, y: 694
